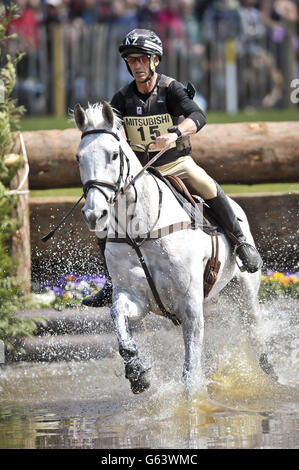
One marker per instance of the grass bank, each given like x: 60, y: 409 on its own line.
x: 228, y: 188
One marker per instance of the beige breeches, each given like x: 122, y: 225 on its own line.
x: 195, y: 178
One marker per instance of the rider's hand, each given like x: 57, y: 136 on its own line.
x: 163, y: 141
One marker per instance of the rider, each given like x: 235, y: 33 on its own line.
x: 156, y: 107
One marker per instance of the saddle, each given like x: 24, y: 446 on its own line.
x: 179, y: 189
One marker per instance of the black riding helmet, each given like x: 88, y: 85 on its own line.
x: 142, y: 41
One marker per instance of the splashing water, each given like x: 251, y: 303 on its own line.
x: 89, y: 404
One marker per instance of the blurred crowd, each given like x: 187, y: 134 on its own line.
x: 195, y: 19
x: 190, y: 27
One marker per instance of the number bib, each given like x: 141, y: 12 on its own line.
x: 143, y: 129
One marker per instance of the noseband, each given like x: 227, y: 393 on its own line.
x: 98, y: 184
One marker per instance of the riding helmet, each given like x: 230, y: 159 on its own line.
x: 141, y: 41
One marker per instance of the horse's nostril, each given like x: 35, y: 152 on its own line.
x: 92, y: 217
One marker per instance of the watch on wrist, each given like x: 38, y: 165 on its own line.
x: 176, y: 130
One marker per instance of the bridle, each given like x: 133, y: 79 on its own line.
x: 99, y: 184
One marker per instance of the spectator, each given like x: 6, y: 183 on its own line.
x: 221, y: 21
x: 192, y: 27
x: 76, y: 10
x: 124, y: 16
x: 200, y: 8
x: 104, y: 10
x: 194, y: 48
x: 148, y: 13
x: 52, y: 12
x: 169, y: 25
x: 257, y: 64
x: 26, y: 26
x: 91, y: 12
x: 281, y: 19
x: 252, y: 26
x: 276, y: 14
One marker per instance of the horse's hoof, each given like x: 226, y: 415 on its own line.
x: 140, y: 385
x: 136, y: 373
x: 134, y: 369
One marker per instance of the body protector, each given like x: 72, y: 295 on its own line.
x: 144, y: 121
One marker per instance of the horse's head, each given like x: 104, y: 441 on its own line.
x: 98, y: 156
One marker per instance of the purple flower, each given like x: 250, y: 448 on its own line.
x: 85, y: 291
x: 57, y: 290
x: 44, y: 285
x: 269, y: 272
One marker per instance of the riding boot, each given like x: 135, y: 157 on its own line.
x: 225, y: 215
x: 104, y: 296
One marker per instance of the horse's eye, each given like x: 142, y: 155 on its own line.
x: 78, y: 158
x: 114, y: 155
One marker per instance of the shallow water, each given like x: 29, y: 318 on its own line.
x: 90, y: 405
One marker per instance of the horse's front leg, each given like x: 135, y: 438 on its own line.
x: 249, y: 315
x: 124, y: 309
x: 193, y: 333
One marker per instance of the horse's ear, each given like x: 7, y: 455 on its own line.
x: 108, y: 113
x: 79, y: 116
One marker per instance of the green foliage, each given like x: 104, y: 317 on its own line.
x: 11, y: 287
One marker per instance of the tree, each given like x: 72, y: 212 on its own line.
x: 12, y: 328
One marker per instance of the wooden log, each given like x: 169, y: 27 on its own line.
x: 274, y: 221
x: 51, y: 156
x: 249, y: 153
x: 245, y: 153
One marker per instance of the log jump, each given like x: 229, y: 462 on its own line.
x: 242, y: 153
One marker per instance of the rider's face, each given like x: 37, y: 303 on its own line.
x: 139, y: 66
